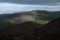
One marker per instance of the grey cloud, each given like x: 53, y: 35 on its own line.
x: 47, y: 2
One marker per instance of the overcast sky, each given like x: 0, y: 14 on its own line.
x: 11, y: 6
x: 45, y: 2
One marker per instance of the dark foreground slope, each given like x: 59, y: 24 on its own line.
x: 21, y: 31
x: 32, y: 31
x: 51, y: 31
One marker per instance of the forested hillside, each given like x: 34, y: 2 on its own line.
x: 38, y: 16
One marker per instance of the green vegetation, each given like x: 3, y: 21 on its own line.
x: 40, y: 21
x: 5, y: 23
x: 37, y: 16
x: 45, y: 15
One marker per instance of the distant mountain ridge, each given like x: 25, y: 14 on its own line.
x: 30, y: 15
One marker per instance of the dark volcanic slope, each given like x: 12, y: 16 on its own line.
x: 51, y: 31
x: 26, y: 29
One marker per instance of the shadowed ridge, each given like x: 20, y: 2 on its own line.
x: 52, y: 24
x: 28, y: 24
x: 55, y: 20
x: 51, y: 31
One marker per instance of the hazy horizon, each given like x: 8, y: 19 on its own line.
x: 6, y: 7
